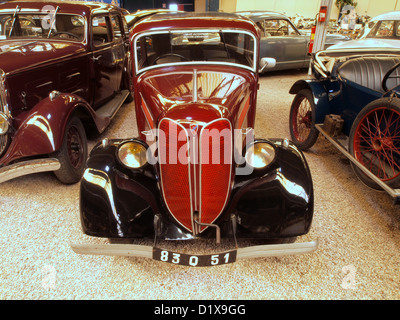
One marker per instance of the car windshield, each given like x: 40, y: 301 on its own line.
x: 62, y: 26
x: 385, y: 29
x: 204, y: 46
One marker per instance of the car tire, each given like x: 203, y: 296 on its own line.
x: 73, y: 152
x: 374, y: 141
x: 302, y: 120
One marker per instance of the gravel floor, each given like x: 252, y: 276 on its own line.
x: 358, y: 231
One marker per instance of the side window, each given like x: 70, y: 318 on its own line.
x: 385, y: 29
x: 261, y: 26
x: 100, y: 30
x: 277, y: 28
x: 126, y: 28
x: 116, y: 27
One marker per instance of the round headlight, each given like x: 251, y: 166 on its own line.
x: 3, y: 124
x: 260, y: 154
x: 132, y: 154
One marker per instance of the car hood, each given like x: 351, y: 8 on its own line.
x: 329, y: 36
x: 19, y: 55
x: 371, y: 43
x: 203, y: 93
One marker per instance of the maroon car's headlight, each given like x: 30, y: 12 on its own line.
x: 260, y: 154
x: 132, y: 154
x: 3, y: 124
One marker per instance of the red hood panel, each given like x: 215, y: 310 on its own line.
x: 173, y: 91
x: 16, y: 55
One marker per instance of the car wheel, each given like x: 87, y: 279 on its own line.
x: 375, y: 142
x: 302, y: 120
x: 73, y: 152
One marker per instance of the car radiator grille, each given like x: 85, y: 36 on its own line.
x: 195, y: 189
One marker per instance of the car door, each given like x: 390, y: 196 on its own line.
x: 119, y: 48
x: 281, y: 40
x: 103, y: 60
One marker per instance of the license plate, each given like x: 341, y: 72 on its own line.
x: 194, y: 260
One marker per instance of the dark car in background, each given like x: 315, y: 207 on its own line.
x: 65, y: 69
x: 354, y: 102
x: 281, y: 40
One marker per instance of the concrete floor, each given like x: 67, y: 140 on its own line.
x: 358, y: 231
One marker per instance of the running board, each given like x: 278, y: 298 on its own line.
x: 109, y: 109
x: 141, y: 251
x: 394, y: 193
x: 28, y: 167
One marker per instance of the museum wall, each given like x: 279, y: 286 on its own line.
x: 307, y: 8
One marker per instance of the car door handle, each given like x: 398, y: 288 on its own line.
x: 96, y: 58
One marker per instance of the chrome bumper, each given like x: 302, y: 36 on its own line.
x: 27, y: 167
x: 141, y: 251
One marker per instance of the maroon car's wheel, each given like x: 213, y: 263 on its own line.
x: 375, y: 142
x: 302, y: 120
x: 73, y: 152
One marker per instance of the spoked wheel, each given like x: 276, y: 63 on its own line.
x: 73, y: 153
x: 375, y: 141
x: 302, y: 120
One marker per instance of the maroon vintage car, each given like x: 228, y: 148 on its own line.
x: 196, y: 171
x: 65, y: 69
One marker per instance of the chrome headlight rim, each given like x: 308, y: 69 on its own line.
x: 268, y: 158
x: 132, y: 154
x: 4, y: 124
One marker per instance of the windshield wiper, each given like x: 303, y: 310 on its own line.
x: 53, y: 21
x: 18, y: 8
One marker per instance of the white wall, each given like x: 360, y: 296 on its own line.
x: 307, y: 8
x: 200, y: 5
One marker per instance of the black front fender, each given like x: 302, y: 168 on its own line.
x: 111, y: 204
x: 277, y: 201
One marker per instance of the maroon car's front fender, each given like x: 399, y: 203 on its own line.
x: 42, y: 130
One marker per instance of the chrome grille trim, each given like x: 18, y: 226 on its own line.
x: 3, y: 94
x: 4, y: 109
x: 194, y: 164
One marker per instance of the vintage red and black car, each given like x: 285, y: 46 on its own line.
x: 65, y: 69
x: 196, y: 170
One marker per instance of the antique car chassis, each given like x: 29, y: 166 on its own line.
x: 341, y: 145
x: 195, y: 94
x: 330, y: 120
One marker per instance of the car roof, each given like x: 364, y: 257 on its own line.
x: 257, y: 15
x: 188, y: 20
x: 392, y: 15
x: 70, y: 6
